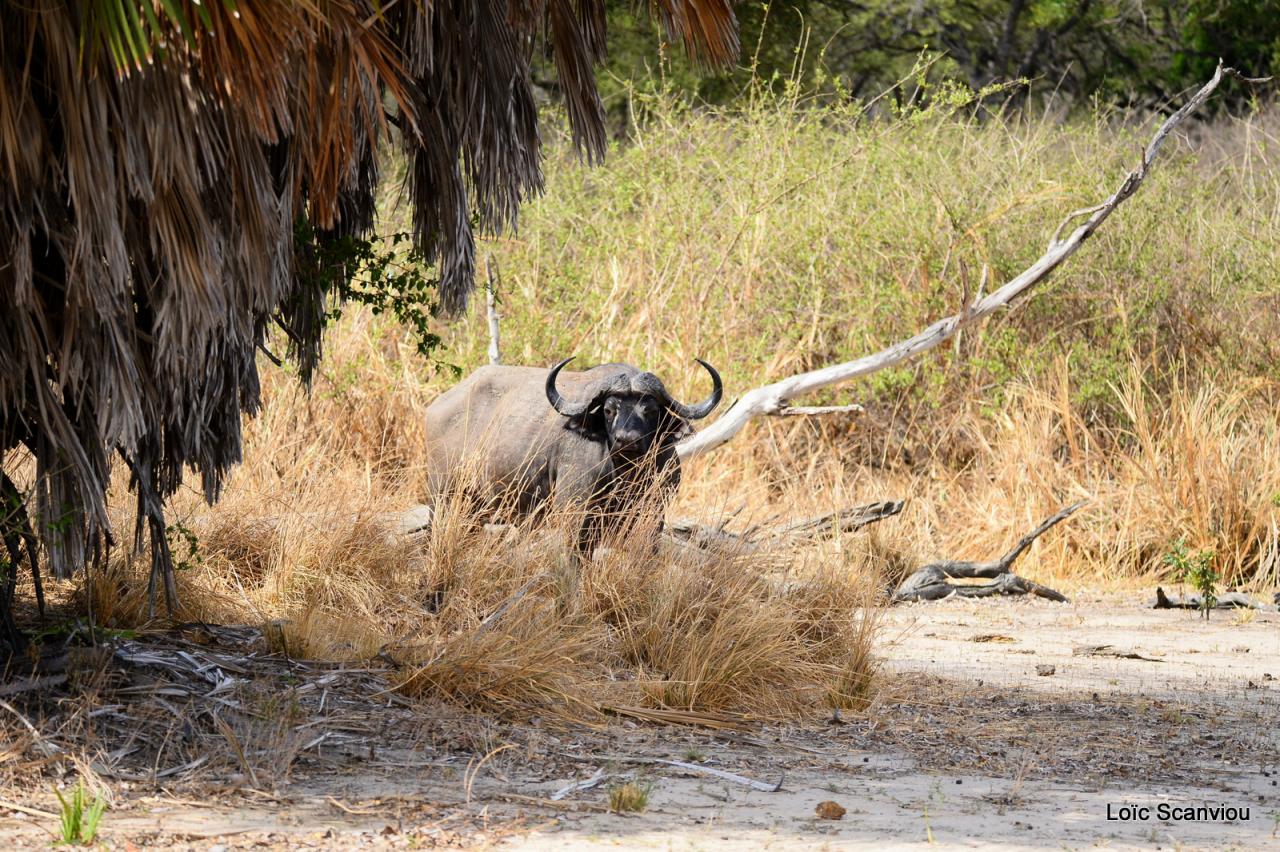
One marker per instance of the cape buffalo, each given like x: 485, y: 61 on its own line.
x: 521, y: 440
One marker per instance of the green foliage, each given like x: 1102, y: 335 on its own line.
x: 387, y: 276
x: 182, y: 538
x: 1243, y: 33
x: 1083, y: 51
x: 1197, y: 570
x: 80, y: 818
x: 132, y: 32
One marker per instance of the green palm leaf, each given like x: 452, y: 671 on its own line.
x: 133, y: 31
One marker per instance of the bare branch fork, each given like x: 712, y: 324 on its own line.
x: 930, y: 583
x: 773, y: 399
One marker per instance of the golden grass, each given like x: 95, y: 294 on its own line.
x: 502, y: 621
x: 498, y: 622
x: 1197, y: 463
x: 629, y: 797
x: 495, y: 620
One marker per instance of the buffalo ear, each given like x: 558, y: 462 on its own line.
x: 590, y: 424
x: 673, y: 429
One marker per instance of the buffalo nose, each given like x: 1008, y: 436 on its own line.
x: 630, y: 440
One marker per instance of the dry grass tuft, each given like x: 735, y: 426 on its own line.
x: 503, y: 621
x: 631, y: 797
x: 674, y: 629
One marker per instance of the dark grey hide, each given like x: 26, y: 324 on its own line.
x: 519, y: 441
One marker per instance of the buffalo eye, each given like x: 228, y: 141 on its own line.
x: 611, y: 407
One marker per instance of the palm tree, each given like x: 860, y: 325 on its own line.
x: 165, y: 166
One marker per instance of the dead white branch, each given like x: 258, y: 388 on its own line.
x: 578, y: 786
x: 817, y: 410
x: 491, y: 304
x: 762, y: 786
x: 772, y: 399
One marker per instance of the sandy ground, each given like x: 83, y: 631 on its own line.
x: 1004, y: 725
x: 1215, y: 684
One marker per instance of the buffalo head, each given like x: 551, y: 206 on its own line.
x: 631, y: 410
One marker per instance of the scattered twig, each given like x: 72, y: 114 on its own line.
x: 28, y: 684
x: 1109, y: 651
x: 552, y: 803
x: 762, y: 786
x: 121, y: 775
x: 234, y: 742
x: 702, y: 719
x: 578, y: 786
x: 337, y: 803
x: 473, y: 769
x: 14, y: 806
x: 42, y: 745
x: 755, y: 742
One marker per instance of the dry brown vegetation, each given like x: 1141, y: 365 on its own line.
x: 490, y: 619
x: 499, y: 620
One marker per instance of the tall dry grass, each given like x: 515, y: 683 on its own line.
x: 303, y: 543
x: 509, y: 618
x: 772, y: 240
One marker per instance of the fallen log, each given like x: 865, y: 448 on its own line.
x: 930, y: 583
x: 1230, y: 600
x: 758, y: 535
x: 416, y: 520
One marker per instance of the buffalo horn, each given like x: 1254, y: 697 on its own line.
x: 559, y: 403
x: 702, y: 409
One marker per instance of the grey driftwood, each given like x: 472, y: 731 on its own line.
x: 758, y: 536
x: 930, y: 583
x: 1230, y: 600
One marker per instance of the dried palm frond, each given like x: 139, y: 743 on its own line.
x: 156, y: 158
